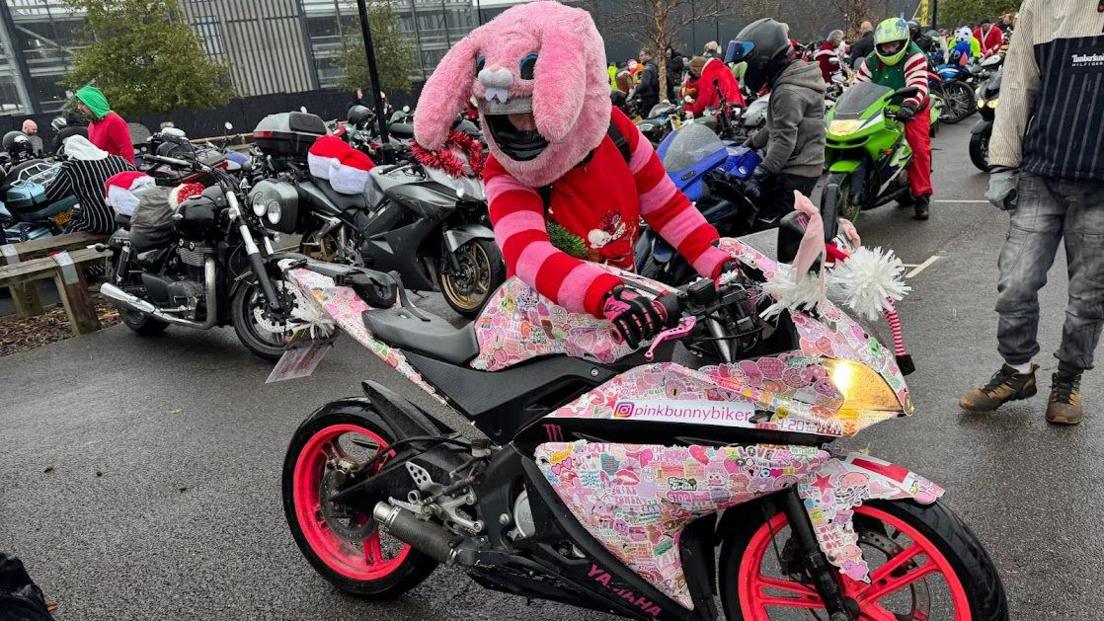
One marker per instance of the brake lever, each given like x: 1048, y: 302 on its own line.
x: 685, y: 327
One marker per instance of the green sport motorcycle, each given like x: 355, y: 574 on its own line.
x: 867, y: 153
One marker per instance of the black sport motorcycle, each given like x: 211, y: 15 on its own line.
x: 213, y: 266
x: 988, y: 97
x: 429, y: 227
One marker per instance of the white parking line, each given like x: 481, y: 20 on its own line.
x: 923, y: 266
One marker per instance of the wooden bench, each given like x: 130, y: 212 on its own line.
x: 65, y: 270
x: 25, y: 295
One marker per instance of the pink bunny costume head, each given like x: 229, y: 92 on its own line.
x: 538, y: 73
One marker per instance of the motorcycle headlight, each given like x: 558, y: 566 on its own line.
x: 862, y: 388
x: 273, y: 211
x: 844, y: 127
x: 259, y: 205
x: 993, y: 103
x: 981, y: 103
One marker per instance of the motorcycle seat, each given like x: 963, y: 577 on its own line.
x: 431, y: 336
x: 344, y: 202
x: 401, y: 131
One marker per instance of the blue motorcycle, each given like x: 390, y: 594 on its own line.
x: 24, y: 213
x: 954, y: 84
x: 712, y: 173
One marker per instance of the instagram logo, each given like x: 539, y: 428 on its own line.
x: 623, y: 409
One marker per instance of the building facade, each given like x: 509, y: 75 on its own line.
x: 270, y: 46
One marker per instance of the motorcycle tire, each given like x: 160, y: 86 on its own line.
x: 845, y: 207
x: 360, y: 568
x: 246, y: 324
x: 959, y: 102
x: 482, y: 270
x: 142, y: 323
x: 979, y: 151
x: 949, y: 549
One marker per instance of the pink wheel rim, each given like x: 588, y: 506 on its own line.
x: 365, y: 562
x: 759, y: 593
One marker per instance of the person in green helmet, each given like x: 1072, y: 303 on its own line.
x: 106, y: 129
x: 897, y: 62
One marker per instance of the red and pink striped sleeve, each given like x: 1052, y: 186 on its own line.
x: 916, y: 74
x: 517, y: 215
x: 667, y: 210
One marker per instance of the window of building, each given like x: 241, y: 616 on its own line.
x: 210, y: 32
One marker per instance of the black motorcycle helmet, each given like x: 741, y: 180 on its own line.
x: 360, y: 116
x: 765, y: 46
x: 914, y: 29
x: 16, y: 143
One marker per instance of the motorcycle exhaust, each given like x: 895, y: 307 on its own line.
x: 136, y: 303
x: 429, y: 538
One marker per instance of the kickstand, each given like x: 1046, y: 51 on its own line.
x: 404, y: 299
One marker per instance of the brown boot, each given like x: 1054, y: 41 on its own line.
x: 1007, y: 385
x: 1064, y: 405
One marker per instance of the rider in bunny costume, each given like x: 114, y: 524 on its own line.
x: 569, y: 176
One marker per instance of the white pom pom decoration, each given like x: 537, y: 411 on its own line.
x: 790, y: 295
x: 867, y: 280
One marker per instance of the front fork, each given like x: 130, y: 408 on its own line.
x: 825, y: 576
x: 256, y: 259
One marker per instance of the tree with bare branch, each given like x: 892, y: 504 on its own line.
x: 656, y: 24
x: 854, y: 13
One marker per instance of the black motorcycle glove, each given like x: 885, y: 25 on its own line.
x: 757, y: 184
x: 637, y: 317
x: 905, y: 113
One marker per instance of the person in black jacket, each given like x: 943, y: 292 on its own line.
x: 647, y: 91
x: 864, y: 46
x: 923, y: 41
x: 676, y: 69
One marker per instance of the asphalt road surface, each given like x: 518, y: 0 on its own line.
x: 139, y: 478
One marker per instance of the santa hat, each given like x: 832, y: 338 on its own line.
x: 183, y: 192
x: 324, y: 154
x: 350, y: 174
x: 119, y: 190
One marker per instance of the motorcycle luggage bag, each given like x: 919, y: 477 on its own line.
x: 288, y: 133
x: 152, y: 222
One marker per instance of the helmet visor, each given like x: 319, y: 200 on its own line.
x: 738, y: 51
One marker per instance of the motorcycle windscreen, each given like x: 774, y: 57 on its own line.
x: 694, y: 151
x: 855, y: 100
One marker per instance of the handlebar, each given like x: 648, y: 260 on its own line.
x: 172, y: 161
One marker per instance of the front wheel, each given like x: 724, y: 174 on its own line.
x: 925, y: 563
x: 845, y: 204
x: 481, y: 271
x: 341, y: 542
x: 259, y: 328
x: 959, y: 102
x: 979, y: 151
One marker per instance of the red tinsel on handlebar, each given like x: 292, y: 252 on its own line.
x: 444, y: 158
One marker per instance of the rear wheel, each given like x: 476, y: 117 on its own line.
x: 958, y: 103
x: 979, y: 151
x: 142, y: 323
x: 925, y: 563
x: 481, y: 271
x: 343, y: 543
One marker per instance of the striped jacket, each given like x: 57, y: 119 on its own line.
x: 85, y: 179
x: 594, y: 212
x: 916, y: 74
x: 1051, y: 116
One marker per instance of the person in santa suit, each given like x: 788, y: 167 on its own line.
x: 569, y: 177
x: 990, y: 37
x: 714, y: 81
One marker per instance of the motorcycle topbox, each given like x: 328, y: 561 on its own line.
x: 288, y: 133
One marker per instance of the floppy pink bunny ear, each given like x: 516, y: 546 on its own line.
x: 560, y: 80
x: 444, y: 94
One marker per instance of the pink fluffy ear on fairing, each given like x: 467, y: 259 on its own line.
x: 445, y: 93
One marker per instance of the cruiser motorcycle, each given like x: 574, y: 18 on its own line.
x: 215, y: 265
x: 624, y: 481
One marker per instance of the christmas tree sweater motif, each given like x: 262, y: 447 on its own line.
x: 592, y: 216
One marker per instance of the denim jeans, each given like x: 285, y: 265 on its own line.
x: 1049, y: 211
